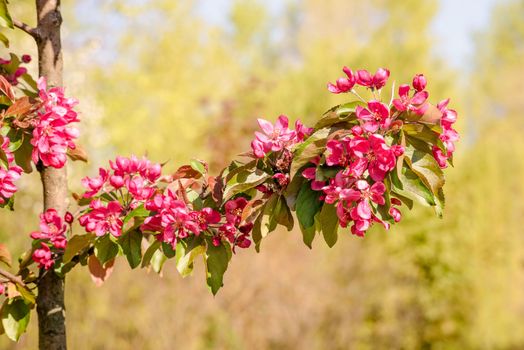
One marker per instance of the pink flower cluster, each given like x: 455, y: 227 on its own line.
x: 130, y: 182
x: 52, y: 233
x: 360, y: 77
x: 174, y: 220
x: 277, y: 137
x: 53, y: 134
x: 9, y: 173
x: 357, y: 156
x: 448, y: 136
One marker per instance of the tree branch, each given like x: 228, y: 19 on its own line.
x: 26, y: 28
x: 11, y: 277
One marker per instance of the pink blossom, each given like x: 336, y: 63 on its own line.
x: 377, y: 81
x: 205, y: 217
x: 417, y: 103
x: 52, y: 228
x: 274, y: 138
x: 234, y: 209
x: 20, y: 71
x: 103, y: 219
x: 376, y: 117
x: 419, y: 82
x: 343, y: 84
x: 94, y: 184
x: 43, y: 257
x: 172, y: 218
x: 440, y: 157
x: 53, y: 134
x: 277, y: 137
x: 7, y: 182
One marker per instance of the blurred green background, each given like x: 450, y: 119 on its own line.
x: 182, y: 79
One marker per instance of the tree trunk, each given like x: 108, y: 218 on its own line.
x: 50, y: 301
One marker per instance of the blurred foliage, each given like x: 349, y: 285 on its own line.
x: 167, y: 83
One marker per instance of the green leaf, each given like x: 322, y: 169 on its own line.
x: 217, y: 259
x: 198, y: 166
x: 26, y: 294
x: 308, y: 205
x: 157, y: 261
x: 313, y: 146
x: 408, y: 184
x: 23, y: 155
x: 244, y: 180
x: 76, y: 244
x: 15, y: 316
x: 5, y: 18
x: 168, y: 250
x: 148, y: 255
x: 308, y: 234
x: 131, y: 243
x: 105, y: 249
x: 329, y: 224
x: 139, y: 211
x: 282, y: 213
x: 4, y: 40
x: 186, y: 252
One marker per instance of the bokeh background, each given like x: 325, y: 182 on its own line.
x: 182, y: 79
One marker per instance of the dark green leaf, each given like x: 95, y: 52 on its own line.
x: 131, y: 243
x: 329, y: 224
x: 308, y: 205
x: 168, y: 250
x: 76, y: 244
x: 148, y: 255
x: 217, y: 259
x: 105, y: 249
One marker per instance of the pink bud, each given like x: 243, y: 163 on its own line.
x: 20, y: 71
x: 364, y: 78
x: 419, y: 82
x: 344, y: 85
x: 380, y: 78
x: 69, y: 217
x: 116, y: 181
x: 26, y: 58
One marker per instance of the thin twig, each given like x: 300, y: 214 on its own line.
x: 26, y: 28
x: 11, y: 277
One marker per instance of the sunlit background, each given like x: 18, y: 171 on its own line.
x: 183, y: 79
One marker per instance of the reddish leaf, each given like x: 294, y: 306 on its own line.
x: 21, y: 107
x: 78, y: 153
x: 431, y: 116
x: 99, y: 273
x: 186, y: 172
x: 6, y: 88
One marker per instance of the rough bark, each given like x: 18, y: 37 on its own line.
x: 50, y: 301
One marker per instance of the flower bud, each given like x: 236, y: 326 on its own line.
x: 26, y: 58
x: 419, y: 82
x: 68, y: 217
x: 380, y: 78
